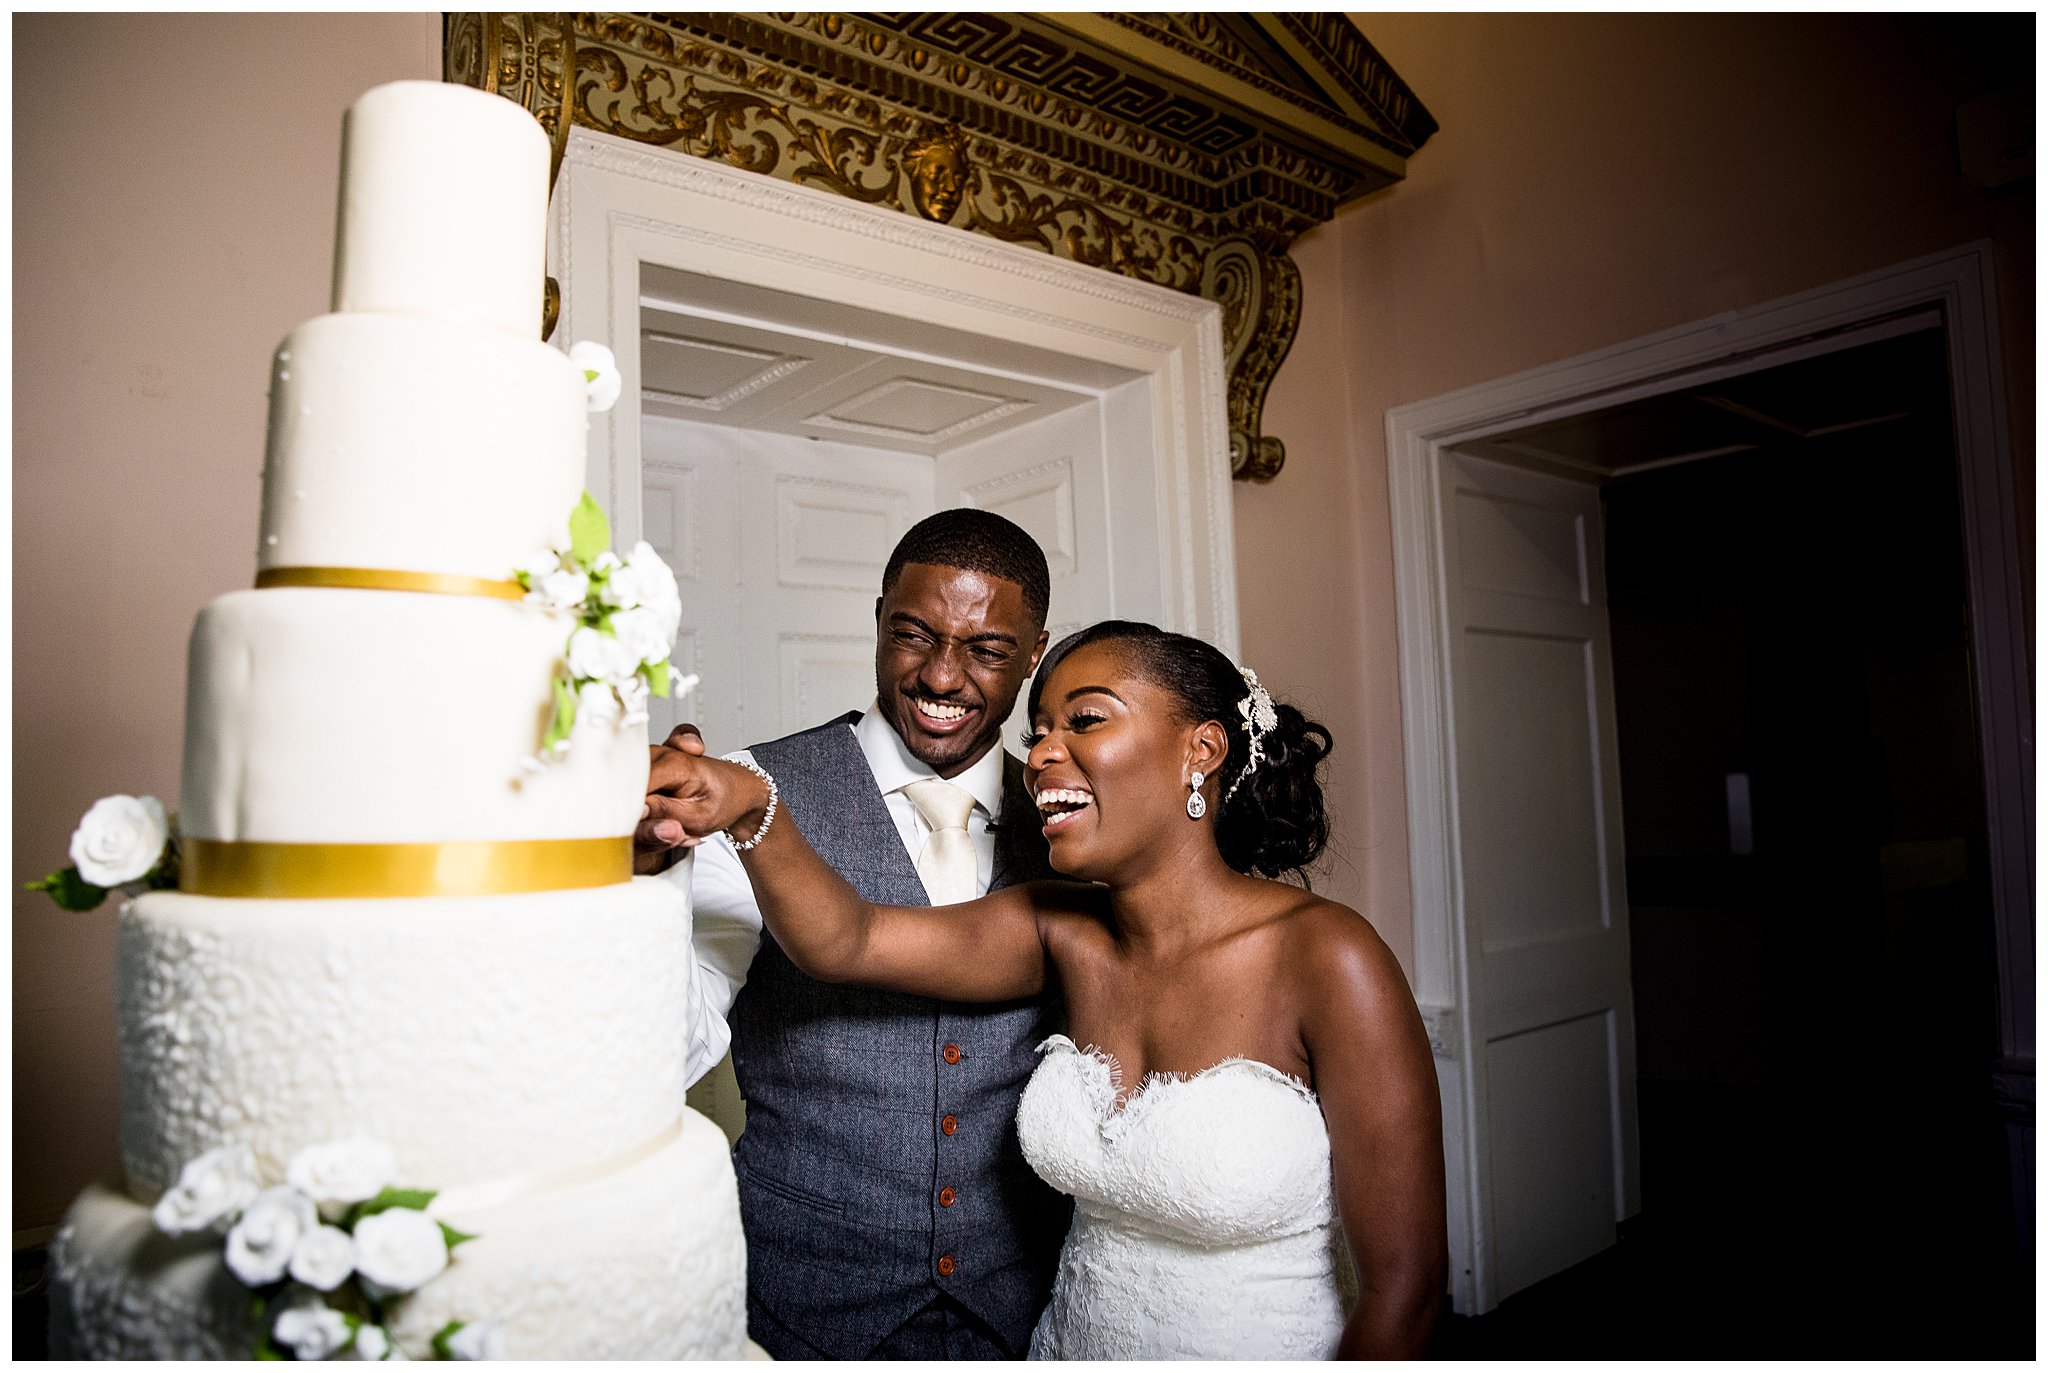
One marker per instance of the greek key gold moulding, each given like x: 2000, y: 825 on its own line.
x: 1187, y: 150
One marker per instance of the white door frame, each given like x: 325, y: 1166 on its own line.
x: 1959, y: 283
x: 618, y: 204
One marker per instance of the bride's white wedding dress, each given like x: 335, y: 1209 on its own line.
x: 1204, y: 1224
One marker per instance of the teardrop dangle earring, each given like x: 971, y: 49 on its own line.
x: 1197, y: 807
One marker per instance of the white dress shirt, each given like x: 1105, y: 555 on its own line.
x: 726, y: 920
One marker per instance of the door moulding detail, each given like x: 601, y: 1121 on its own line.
x: 1959, y: 284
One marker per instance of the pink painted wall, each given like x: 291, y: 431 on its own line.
x: 1597, y: 178
x: 174, y: 183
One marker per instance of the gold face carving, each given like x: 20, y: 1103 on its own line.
x: 939, y: 171
x: 1097, y: 138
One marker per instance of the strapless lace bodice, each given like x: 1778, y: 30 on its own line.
x: 1204, y: 1225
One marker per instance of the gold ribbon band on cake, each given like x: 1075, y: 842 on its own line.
x: 388, y: 579
x: 312, y: 872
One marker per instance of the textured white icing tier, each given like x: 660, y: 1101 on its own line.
x: 646, y: 1264
x: 444, y: 197
x: 419, y: 445
x: 337, y: 716
x: 481, y: 1037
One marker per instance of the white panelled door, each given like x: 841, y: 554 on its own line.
x: 1537, y: 830
x: 779, y: 544
x: 1048, y: 479
x: 817, y: 524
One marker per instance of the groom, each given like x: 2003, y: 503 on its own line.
x: 888, y: 1210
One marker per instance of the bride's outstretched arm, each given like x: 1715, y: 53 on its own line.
x: 985, y: 950
x: 1377, y: 1084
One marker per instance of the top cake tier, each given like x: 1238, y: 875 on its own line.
x: 444, y: 195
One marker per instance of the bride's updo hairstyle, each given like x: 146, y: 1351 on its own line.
x: 1274, y: 825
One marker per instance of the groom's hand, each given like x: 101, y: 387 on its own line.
x: 661, y: 834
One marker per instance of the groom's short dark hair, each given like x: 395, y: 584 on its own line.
x: 976, y: 541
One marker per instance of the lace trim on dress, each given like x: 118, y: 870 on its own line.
x: 1107, y: 1097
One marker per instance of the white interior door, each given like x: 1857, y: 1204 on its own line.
x: 1046, y: 478
x: 1537, y: 833
x: 779, y: 544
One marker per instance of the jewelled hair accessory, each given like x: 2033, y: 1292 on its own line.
x: 1260, y: 719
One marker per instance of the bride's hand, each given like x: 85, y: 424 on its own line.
x: 689, y: 796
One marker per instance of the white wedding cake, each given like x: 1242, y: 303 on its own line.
x: 392, y: 925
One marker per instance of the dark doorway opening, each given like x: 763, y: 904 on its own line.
x: 1824, y: 1164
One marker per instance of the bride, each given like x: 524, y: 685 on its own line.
x: 1244, y: 1108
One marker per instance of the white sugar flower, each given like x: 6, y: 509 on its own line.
x: 540, y: 563
x: 643, y: 579
x: 478, y: 1340
x: 398, y: 1250
x: 261, y: 1245
x: 346, y: 1171
x: 605, y: 562
x: 597, y: 706
x: 209, y: 1191
x: 324, y: 1259
x: 641, y: 632
x: 310, y: 1328
x: 632, y: 702
x: 565, y: 587
x: 373, y: 1343
x: 601, y: 380
x: 595, y: 654
x: 120, y: 839
x: 654, y: 584
x: 681, y: 684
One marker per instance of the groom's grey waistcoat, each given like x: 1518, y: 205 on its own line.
x: 859, y: 1128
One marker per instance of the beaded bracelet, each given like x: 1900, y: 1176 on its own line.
x: 768, y: 816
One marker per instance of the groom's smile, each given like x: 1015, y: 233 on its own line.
x: 952, y: 649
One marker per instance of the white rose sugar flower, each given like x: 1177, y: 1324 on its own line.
x: 478, y: 1340
x: 640, y: 631
x: 567, y: 588
x: 324, y: 1258
x: 346, y: 1170
x: 373, y: 1343
x: 597, y: 706
x: 209, y: 1191
x: 261, y: 1244
x: 310, y: 1328
x: 633, y: 702
x: 595, y: 654
x: 120, y: 839
x: 654, y: 585
x: 398, y: 1250
x: 590, y: 653
x: 602, y: 382
x: 541, y: 562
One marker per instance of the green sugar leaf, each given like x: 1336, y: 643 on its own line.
x: 657, y: 677
x: 70, y: 891
x: 411, y: 1198
x: 564, y: 718
x: 590, y: 533
x: 452, y: 1236
x: 441, y: 1338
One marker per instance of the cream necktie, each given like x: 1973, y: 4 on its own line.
x: 948, y: 865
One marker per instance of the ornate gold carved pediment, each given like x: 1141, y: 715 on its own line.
x: 1188, y: 150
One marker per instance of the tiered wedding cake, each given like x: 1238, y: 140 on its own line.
x: 387, y: 927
